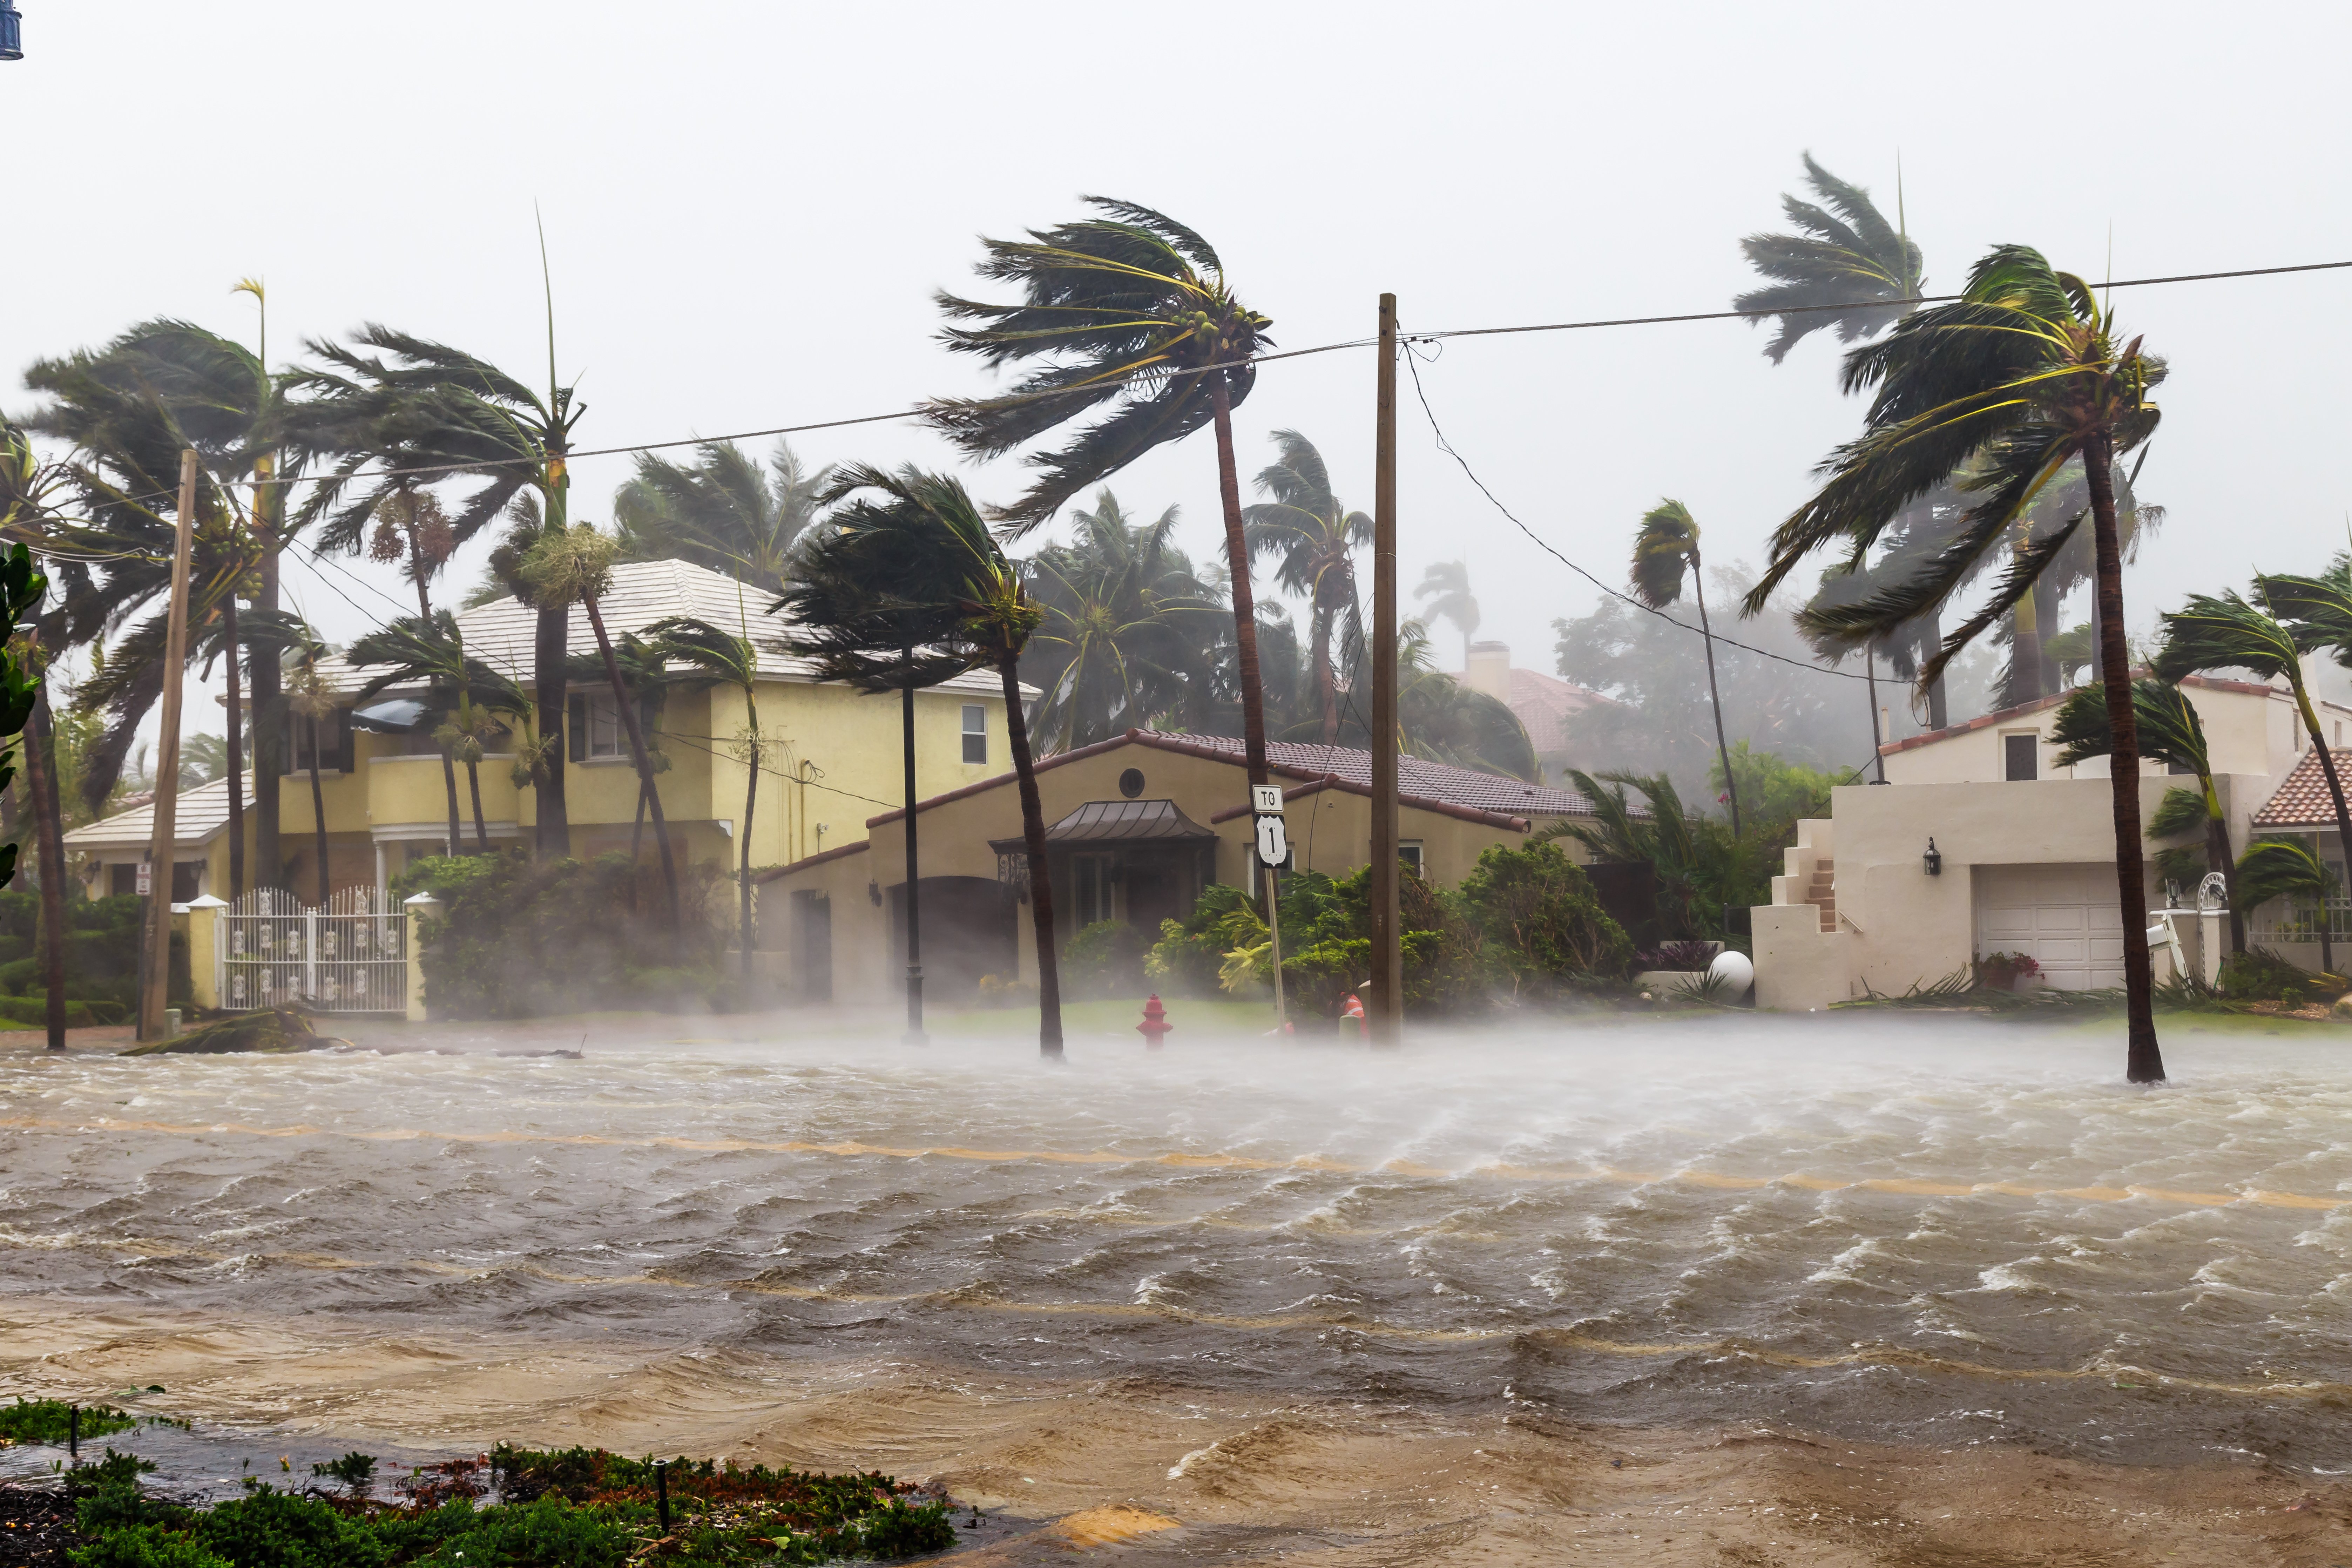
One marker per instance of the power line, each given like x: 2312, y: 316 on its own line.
x: 774, y: 773
x: 1413, y: 361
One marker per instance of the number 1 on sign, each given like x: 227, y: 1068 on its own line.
x: 1273, y: 843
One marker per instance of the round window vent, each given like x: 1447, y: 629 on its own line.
x: 1131, y: 783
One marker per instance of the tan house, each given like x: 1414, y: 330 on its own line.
x: 831, y: 756
x: 1137, y: 826
x: 2023, y: 853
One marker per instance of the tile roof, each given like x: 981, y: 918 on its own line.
x: 2302, y: 799
x: 1544, y: 704
x: 203, y: 813
x: 1417, y: 778
x: 1123, y: 821
x: 502, y: 632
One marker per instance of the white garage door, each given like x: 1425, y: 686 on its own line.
x: 2064, y: 916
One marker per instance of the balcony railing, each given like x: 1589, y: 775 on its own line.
x: 2297, y: 920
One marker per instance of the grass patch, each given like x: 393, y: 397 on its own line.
x: 514, y: 1508
x: 51, y: 1421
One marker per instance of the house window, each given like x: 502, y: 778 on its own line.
x: 1090, y: 889
x: 975, y: 732
x: 2021, y: 757
x: 332, y: 734
x: 599, y: 724
x: 1408, y: 851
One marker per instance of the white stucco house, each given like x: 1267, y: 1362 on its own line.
x: 2025, y: 849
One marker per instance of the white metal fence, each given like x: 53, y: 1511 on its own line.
x: 350, y: 956
x: 2297, y: 920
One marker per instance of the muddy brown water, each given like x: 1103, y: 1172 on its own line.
x: 1914, y: 1236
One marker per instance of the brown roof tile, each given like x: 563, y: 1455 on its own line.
x: 2302, y: 801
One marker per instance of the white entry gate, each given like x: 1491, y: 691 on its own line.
x: 349, y: 957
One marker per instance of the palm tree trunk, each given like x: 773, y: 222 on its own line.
x: 269, y: 705
x: 1324, y: 686
x: 1041, y: 883
x: 637, y: 829
x: 553, y: 840
x: 2045, y: 618
x: 449, y: 782
x: 1722, y: 749
x: 644, y: 766
x: 750, y: 800
x: 2218, y: 857
x: 481, y: 828
x: 1229, y: 489
x: 1938, y: 706
x: 2144, y: 1061
x: 318, y: 812
x: 235, y: 753
x: 48, y: 827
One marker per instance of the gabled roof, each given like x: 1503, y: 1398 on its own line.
x: 2003, y: 715
x: 2302, y: 799
x: 202, y: 813
x: 1418, y: 779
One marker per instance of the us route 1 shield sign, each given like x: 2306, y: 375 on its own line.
x: 1273, y: 844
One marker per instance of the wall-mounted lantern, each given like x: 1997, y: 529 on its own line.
x: 1933, y: 860
x: 12, y: 32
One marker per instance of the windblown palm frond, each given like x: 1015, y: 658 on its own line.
x: 722, y: 510
x: 1665, y: 552
x: 1312, y: 539
x: 1845, y: 254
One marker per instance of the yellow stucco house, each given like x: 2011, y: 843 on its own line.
x: 832, y: 760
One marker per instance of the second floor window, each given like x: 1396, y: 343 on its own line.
x: 333, y: 743
x: 596, y: 728
x: 975, y: 732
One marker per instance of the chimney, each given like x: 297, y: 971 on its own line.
x: 1490, y: 669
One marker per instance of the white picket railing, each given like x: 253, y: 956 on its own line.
x: 2297, y: 920
x: 350, y: 956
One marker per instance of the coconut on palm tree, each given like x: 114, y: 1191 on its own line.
x: 721, y: 511
x: 1131, y: 311
x: 1446, y: 585
x: 2171, y: 733
x: 575, y: 566
x: 1130, y: 631
x: 1313, y: 539
x: 1997, y: 393
x: 397, y: 400
x: 1665, y: 555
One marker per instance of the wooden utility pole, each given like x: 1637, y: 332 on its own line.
x: 1387, y: 1011
x: 153, y: 996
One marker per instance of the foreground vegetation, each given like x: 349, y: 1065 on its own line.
x: 576, y: 1507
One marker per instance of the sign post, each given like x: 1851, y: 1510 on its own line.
x: 1273, y: 850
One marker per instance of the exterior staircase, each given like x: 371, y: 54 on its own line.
x: 1822, y: 892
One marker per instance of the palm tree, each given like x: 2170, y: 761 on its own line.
x: 1998, y: 391
x: 1847, y: 254
x: 2287, y: 868
x: 1446, y: 585
x: 1313, y: 539
x: 645, y: 673
x: 1128, y: 633
x: 2226, y: 631
x: 427, y: 651
x: 1659, y: 837
x: 1665, y: 552
x: 1132, y: 310
x: 720, y: 657
x: 399, y: 401
x: 721, y: 511
x: 576, y: 564
x: 2171, y: 733
x: 412, y: 529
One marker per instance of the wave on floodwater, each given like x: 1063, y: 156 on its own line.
x: 1902, y: 1230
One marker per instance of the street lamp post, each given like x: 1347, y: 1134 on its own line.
x: 12, y: 32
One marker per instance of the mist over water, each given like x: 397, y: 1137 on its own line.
x: 1907, y: 1229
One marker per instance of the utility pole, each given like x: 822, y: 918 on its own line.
x: 1387, y: 1011
x: 156, y: 991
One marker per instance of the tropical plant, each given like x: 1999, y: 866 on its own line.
x: 716, y: 657
x: 1129, y: 630
x: 1446, y: 585
x: 1665, y: 553
x: 2287, y: 869
x: 404, y: 403
x: 1659, y: 834
x: 905, y: 587
x: 28, y: 514
x: 2224, y: 631
x: 575, y: 565
x: 413, y: 530
x: 430, y: 651
x: 1848, y: 268
x: 1997, y: 393
x: 309, y: 698
x: 1131, y: 310
x: 1313, y: 539
x: 2169, y: 733
x: 722, y: 510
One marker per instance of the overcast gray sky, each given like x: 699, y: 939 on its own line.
x: 747, y: 206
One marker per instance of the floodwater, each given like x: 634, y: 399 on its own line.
x: 1898, y: 1230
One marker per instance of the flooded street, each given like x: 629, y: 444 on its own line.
x: 1902, y: 1234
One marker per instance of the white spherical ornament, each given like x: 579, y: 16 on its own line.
x: 1733, y: 971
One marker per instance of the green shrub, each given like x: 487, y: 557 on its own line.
x: 1539, y: 927
x: 1102, y: 959
x: 2258, y: 974
x: 270, y: 1529
x: 51, y: 1420
x: 1189, y: 957
x: 143, y: 1546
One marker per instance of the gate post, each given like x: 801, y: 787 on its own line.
x: 205, y: 958
x: 419, y: 907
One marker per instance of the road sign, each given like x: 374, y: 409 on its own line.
x: 1273, y: 843
x: 146, y: 878
x: 1266, y: 799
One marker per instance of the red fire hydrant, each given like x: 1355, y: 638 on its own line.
x: 1155, y: 1022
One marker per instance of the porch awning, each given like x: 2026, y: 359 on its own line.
x: 1117, y: 822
